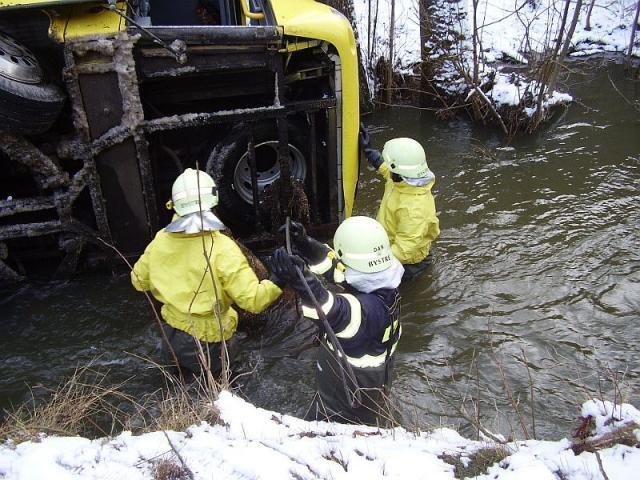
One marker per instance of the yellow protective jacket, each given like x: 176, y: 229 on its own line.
x: 408, y: 214
x: 174, y: 269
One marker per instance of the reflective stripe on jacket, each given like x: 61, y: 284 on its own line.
x: 408, y: 214
x: 366, y: 324
x: 174, y: 269
x: 331, y: 269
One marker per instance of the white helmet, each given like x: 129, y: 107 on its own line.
x: 405, y: 157
x: 362, y: 244
x: 186, y: 198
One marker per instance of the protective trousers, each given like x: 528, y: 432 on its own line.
x: 412, y: 270
x: 188, y: 354
x: 334, y: 402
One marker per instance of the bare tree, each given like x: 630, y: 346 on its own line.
x: 369, y: 30
x: 373, y: 37
x: 633, y: 35
x: 392, y: 27
x: 587, y: 22
x: 548, y: 70
x: 475, y: 43
x: 559, y: 61
x: 425, y: 34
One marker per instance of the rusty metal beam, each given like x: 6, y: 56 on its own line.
x: 70, y: 76
x: 25, y: 205
x: 45, y: 172
x: 236, y: 35
x: 37, y: 229
x: 152, y: 68
x: 146, y: 174
x: 78, y: 149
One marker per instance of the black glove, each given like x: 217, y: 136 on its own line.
x: 284, y: 268
x: 308, y: 248
x: 373, y: 156
x: 297, y: 231
x: 365, y: 141
x: 273, y: 276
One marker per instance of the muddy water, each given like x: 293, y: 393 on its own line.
x: 535, y: 283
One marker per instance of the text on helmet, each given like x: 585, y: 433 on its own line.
x: 380, y: 261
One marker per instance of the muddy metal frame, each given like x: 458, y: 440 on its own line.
x: 117, y: 134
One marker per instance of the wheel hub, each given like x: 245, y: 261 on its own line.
x: 17, y: 63
x: 267, y: 168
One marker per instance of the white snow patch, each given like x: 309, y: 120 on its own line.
x: 250, y: 442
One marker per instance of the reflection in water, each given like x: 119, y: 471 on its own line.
x: 537, y: 262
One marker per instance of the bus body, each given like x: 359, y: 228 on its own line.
x: 103, y: 104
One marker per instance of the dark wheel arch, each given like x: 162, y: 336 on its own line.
x: 228, y: 165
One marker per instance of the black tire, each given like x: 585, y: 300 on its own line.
x: 227, y: 165
x: 28, y: 107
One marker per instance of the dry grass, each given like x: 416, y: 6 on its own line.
x: 477, y: 463
x: 87, y: 405
x: 82, y: 405
x: 179, y: 406
x: 170, y: 470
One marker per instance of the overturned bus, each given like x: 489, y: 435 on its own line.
x: 104, y: 103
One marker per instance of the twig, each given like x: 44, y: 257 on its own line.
x: 224, y: 355
x: 633, y: 35
x: 604, y: 474
x: 532, y: 403
x: 477, y: 394
x: 509, y: 393
x: 635, y: 106
x: 491, y: 107
x: 462, y: 412
x: 292, y: 458
x: 413, y: 107
x: 175, y: 450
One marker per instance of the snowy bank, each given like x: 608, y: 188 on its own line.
x: 252, y: 443
x: 508, y: 32
x: 505, y: 32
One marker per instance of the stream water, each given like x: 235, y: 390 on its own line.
x: 533, y: 299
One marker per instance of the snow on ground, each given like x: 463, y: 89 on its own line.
x: 508, y: 29
x: 252, y: 443
x: 505, y: 33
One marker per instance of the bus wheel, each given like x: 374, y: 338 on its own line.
x: 228, y: 164
x: 27, y: 103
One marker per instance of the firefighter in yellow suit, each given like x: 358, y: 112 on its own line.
x: 197, y: 272
x: 407, y: 210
